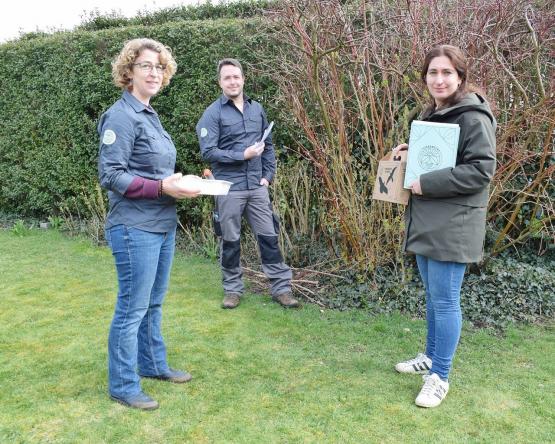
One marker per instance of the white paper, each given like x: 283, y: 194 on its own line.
x: 210, y: 187
x: 267, y: 131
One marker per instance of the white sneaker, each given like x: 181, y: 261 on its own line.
x: 419, y: 365
x: 433, y: 391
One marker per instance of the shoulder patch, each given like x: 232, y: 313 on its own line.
x: 109, y: 137
x: 203, y: 132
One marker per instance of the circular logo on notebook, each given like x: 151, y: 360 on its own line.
x: 429, y: 157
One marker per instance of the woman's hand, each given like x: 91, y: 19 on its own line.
x: 401, y: 147
x: 264, y: 182
x: 173, y: 186
x: 415, y: 187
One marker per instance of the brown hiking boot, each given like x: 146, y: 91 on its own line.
x: 231, y: 300
x: 286, y: 300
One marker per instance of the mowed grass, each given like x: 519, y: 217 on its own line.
x: 262, y: 374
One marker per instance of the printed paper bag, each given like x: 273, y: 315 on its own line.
x: 389, y: 179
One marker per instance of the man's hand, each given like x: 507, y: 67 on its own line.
x: 254, y: 150
x: 173, y: 186
x: 264, y: 182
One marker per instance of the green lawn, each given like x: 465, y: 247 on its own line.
x: 262, y: 374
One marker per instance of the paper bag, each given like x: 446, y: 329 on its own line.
x: 389, y: 179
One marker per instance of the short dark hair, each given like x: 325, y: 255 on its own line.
x: 229, y: 61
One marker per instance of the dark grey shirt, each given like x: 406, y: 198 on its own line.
x: 224, y: 133
x: 134, y: 144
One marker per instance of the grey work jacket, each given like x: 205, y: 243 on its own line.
x: 224, y: 133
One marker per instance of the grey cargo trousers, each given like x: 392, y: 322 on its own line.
x: 256, y: 207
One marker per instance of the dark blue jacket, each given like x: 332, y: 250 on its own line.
x: 224, y: 133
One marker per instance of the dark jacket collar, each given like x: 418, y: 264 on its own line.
x: 135, y: 103
x: 224, y: 99
x: 472, y: 101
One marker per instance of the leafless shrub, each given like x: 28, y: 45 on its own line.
x: 348, y: 75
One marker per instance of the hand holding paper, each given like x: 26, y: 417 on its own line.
x: 254, y: 150
x: 176, y: 187
x: 258, y: 148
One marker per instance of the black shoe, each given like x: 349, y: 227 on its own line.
x: 139, y: 401
x: 176, y: 376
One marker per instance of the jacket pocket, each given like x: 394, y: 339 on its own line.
x: 254, y: 125
x: 151, y: 140
x: 231, y: 127
x: 275, y: 220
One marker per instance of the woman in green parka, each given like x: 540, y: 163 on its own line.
x: 446, y: 216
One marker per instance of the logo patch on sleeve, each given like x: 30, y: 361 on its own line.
x: 203, y: 132
x: 109, y: 137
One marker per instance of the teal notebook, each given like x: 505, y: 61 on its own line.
x: 432, y: 146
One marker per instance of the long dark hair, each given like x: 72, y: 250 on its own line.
x: 458, y: 60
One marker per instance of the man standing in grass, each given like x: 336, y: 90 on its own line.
x: 230, y: 133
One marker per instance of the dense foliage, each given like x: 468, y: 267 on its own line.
x: 55, y: 88
x: 503, y: 291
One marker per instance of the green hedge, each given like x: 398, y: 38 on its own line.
x: 55, y: 88
x: 204, y: 11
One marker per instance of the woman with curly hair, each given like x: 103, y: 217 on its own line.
x: 136, y: 165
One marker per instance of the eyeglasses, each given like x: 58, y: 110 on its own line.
x: 148, y: 67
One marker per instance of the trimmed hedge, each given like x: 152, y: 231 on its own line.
x: 55, y: 88
x: 204, y: 11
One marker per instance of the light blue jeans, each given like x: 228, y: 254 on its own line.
x: 143, y: 262
x: 443, y: 281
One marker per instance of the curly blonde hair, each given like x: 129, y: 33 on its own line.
x: 123, y: 63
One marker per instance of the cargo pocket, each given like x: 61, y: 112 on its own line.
x: 275, y: 220
x: 216, y: 223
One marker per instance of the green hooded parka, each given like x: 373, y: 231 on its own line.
x: 447, y: 222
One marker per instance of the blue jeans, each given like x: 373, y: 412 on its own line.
x: 443, y: 281
x: 143, y: 263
